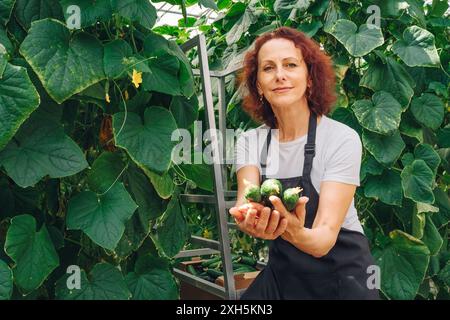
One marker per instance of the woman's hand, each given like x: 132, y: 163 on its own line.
x: 295, y: 219
x: 258, y: 221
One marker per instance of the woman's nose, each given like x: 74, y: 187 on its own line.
x: 280, y: 73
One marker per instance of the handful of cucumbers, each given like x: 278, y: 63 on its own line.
x: 273, y: 187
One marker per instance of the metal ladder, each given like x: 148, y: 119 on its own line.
x: 222, y: 198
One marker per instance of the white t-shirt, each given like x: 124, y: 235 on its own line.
x: 338, y: 157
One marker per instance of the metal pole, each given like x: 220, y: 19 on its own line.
x: 219, y: 191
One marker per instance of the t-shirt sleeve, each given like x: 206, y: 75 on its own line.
x: 343, y: 159
x: 246, y: 150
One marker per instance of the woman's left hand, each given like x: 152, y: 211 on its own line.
x: 295, y: 219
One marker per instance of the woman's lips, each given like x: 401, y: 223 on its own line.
x: 282, y: 90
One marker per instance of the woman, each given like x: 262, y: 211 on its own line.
x: 319, y: 250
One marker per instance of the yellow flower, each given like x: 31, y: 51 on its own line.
x: 137, y: 78
x: 107, y: 98
x: 207, y: 234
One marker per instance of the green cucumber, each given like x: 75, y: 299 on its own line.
x: 190, y: 268
x: 248, y: 261
x: 252, y: 193
x: 290, y: 197
x: 271, y: 187
x: 213, y: 273
x: 206, y: 263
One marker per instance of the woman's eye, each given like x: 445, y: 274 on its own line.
x: 292, y: 65
x: 267, y: 68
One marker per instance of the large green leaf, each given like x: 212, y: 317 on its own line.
x: 33, y: 252
x: 389, y: 76
x: 115, y: 59
x: 91, y: 11
x: 65, y: 63
x: 417, y: 48
x: 3, y: 60
x: 392, y: 8
x: 346, y: 116
x: 105, y: 282
x: 403, y: 264
x: 4, y: 41
x: 172, y: 230
x: 152, y: 280
x: 41, y: 148
x: 287, y: 9
x: 242, y: 25
x: 431, y: 236
x: 381, y: 114
x: 358, y: 42
x: 106, y: 169
x: 163, y: 75
x: 161, y: 52
x: 101, y: 217
x: 443, y: 137
x: 185, y: 111
x: 442, y: 217
x: 18, y: 99
x: 310, y: 29
x: 6, y: 281
x: 418, y: 224
x: 428, y: 110
x: 149, y: 143
x: 150, y: 207
x: 185, y: 77
x: 427, y: 153
x: 200, y: 174
x: 370, y: 166
x: 417, y: 181
x: 6, y: 7
x: 385, y: 149
x: 27, y: 11
x: 133, y: 237
x: 163, y: 183
x: 149, y: 203
x: 386, y: 187
x: 409, y: 127
x: 141, y: 11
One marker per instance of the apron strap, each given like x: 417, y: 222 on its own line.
x: 310, y: 149
x: 310, y: 146
x: 264, y: 152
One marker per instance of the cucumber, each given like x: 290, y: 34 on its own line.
x: 271, y: 187
x: 248, y: 261
x: 290, y: 197
x: 252, y: 193
x: 190, y: 268
x: 214, y: 273
x: 206, y: 263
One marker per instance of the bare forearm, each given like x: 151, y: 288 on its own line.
x: 316, y: 242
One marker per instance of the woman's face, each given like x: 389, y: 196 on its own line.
x: 281, y: 65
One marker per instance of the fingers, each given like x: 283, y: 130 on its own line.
x: 263, y: 220
x: 250, y: 218
x: 278, y: 205
x: 244, y: 208
x: 237, y: 215
x: 300, y: 208
x: 273, y: 222
x: 282, y: 225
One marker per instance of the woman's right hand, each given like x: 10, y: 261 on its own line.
x: 259, y: 221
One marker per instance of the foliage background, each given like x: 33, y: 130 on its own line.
x: 86, y: 174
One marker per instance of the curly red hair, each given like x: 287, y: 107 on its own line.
x: 322, y: 96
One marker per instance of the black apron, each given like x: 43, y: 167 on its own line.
x: 293, y: 274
